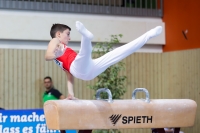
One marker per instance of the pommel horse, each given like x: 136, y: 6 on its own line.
x: 156, y: 114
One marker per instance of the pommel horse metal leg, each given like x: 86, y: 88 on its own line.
x: 158, y: 130
x: 161, y: 130
x: 176, y: 130
x: 80, y: 131
x: 85, y: 131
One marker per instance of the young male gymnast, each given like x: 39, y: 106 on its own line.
x: 81, y: 65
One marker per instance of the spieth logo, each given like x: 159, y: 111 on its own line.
x: 131, y: 119
x: 114, y: 119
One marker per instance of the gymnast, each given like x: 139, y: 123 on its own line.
x: 81, y: 65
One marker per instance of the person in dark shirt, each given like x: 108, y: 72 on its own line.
x: 51, y: 93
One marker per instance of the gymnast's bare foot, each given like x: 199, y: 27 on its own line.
x: 83, y: 31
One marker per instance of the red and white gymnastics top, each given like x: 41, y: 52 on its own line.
x: 66, y: 59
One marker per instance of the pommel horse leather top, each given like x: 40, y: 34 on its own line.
x: 119, y: 114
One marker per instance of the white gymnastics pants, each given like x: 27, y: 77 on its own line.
x: 86, y: 68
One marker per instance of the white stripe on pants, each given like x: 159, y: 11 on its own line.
x: 86, y: 68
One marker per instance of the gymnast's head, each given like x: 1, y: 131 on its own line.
x: 60, y: 31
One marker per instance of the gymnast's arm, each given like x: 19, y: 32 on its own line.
x: 70, y: 85
x: 50, y: 52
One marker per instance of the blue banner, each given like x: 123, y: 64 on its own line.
x: 25, y: 121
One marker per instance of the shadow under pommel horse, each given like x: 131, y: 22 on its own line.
x: 155, y: 114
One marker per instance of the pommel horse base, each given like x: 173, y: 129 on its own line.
x: 156, y: 114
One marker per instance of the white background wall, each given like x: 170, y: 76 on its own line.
x: 28, y: 29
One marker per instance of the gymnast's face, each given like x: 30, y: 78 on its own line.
x: 64, y: 36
